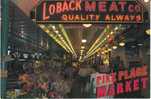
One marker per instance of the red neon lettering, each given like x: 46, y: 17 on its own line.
x: 111, y: 91
x: 136, y: 85
x: 113, y: 7
x: 102, y: 6
x: 98, y: 80
x: 131, y: 8
x: 45, y: 17
x: 119, y: 88
x: 90, y: 6
x: 128, y: 86
x: 101, y: 91
x: 51, y: 9
x: 144, y: 82
x: 120, y: 75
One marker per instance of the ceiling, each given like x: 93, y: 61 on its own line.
x: 77, y: 32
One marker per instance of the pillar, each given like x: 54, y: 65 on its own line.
x: 3, y: 46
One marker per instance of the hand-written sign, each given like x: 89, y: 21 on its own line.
x: 89, y: 11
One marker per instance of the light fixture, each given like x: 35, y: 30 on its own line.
x: 146, y: 1
x: 140, y: 44
x: 47, y: 31
x: 108, y: 36
x: 112, y: 32
x: 22, y: 31
x: 114, y: 47
x: 98, y: 55
x: 106, y: 51
x: 148, y: 31
x: 53, y: 27
x: 84, y: 40
x: 102, y: 53
x: 81, y: 53
x: 133, y: 46
x: 104, y: 39
x: 57, y: 31
x: 82, y: 47
x: 82, y: 50
x: 116, y: 28
x: 121, y: 44
x: 51, y: 35
x: 59, y: 35
x: 109, y: 49
x: 87, y: 25
x: 42, y: 26
x: 66, y: 37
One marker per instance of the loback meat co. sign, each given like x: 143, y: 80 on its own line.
x: 89, y: 11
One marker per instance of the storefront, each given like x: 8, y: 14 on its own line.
x: 75, y: 49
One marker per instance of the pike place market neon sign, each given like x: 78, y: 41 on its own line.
x: 89, y: 11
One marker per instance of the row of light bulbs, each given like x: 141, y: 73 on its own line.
x: 67, y: 39
x: 82, y: 49
x: 96, y: 47
x: 57, y: 37
x: 121, y: 44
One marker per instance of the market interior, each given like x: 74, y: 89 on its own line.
x: 59, y: 60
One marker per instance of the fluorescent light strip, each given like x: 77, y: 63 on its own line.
x: 97, y: 46
x: 95, y: 43
x: 68, y: 41
x: 67, y: 38
x: 95, y: 50
x: 48, y: 32
x: 65, y: 43
x: 59, y: 42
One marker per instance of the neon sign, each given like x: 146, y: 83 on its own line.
x: 86, y: 11
x: 122, y: 82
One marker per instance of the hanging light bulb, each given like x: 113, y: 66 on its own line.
x: 84, y: 40
x: 59, y: 35
x: 56, y: 31
x: 116, y: 28
x: 102, y: 53
x: 106, y: 51
x: 109, y: 49
x: 81, y: 50
x: 98, y: 55
x: 148, y: 31
x: 82, y: 47
x: 47, y: 31
x: 114, y: 47
x: 42, y: 26
x: 112, y: 32
x: 146, y: 1
x: 87, y: 25
x: 121, y: 44
x: 53, y: 27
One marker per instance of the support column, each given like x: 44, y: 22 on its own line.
x: 3, y: 46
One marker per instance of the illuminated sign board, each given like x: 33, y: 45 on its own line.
x: 89, y: 11
x: 122, y: 82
